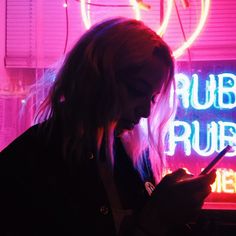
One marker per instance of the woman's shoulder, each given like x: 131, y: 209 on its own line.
x: 28, y: 150
x: 31, y: 140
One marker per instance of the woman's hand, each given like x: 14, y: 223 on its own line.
x: 176, y: 200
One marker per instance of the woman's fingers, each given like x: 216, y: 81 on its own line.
x: 196, y: 189
x: 179, y: 197
x: 200, y: 182
x: 212, y: 176
x: 176, y: 176
x: 169, y: 180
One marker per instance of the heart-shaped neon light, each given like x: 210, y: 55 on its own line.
x: 205, y: 5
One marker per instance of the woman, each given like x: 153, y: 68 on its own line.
x: 94, y: 161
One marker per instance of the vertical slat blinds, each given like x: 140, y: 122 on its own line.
x: 20, y: 33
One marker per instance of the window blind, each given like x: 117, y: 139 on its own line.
x: 36, y: 30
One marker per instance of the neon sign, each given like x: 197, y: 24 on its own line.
x: 215, y: 94
x: 205, y: 6
x: 220, y: 91
x: 225, y: 181
x: 191, y: 137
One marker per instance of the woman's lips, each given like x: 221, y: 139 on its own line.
x: 136, y: 121
x: 130, y: 124
x: 125, y: 124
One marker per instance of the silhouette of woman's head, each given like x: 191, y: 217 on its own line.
x: 113, y: 58
x: 113, y: 76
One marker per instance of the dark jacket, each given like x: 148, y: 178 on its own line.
x: 43, y: 194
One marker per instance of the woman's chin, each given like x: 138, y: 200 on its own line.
x: 121, y: 130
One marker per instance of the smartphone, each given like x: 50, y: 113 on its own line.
x: 212, y: 164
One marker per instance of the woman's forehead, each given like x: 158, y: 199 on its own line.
x: 147, y: 74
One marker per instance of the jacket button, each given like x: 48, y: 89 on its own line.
x: 91, y: 156
x: 104, y: 210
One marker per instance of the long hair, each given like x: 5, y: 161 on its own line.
x: 85, y: 96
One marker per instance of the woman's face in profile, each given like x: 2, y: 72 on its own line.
x: 140, y: 87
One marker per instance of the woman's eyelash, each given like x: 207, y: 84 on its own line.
x: 140, y: 93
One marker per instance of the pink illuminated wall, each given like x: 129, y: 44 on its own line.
x: 35, y: 34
